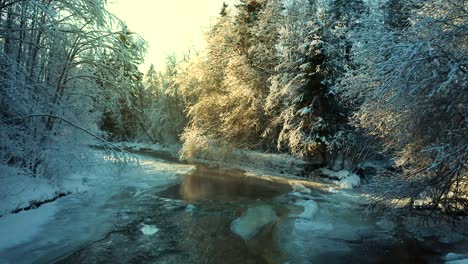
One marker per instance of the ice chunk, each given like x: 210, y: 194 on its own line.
x: 310, y: 209
x: 149, y: 230
x: 253, y: 220
x: 189, y: 208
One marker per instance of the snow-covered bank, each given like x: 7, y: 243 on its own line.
x: 271, y: 166
x: 248, y: 160
x: 100, y: 194
x: 344, y: 178
x: 171, y: 150
x: 22, y: 227
x: 18, y: 190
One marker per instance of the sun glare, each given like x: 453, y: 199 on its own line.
x: 168, y: 26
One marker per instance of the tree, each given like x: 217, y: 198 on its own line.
x: 308, y: 118
x: 412, y: 94
x: 120, y: 82
x: 165, y: 111
x: 226, y: 86
x: 48, y: 55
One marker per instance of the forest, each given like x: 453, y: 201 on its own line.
x: 338, y: 84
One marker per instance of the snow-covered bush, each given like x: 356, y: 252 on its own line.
x: 201, y: 145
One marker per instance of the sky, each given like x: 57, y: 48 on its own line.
x: 169, y: 26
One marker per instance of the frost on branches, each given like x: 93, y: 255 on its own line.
x: 410, y: 85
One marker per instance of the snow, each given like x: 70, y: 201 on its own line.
x: 328, y: 172
x: 253, y: 220
x: 21, y: 227
x: 454, y: 258
x: 101, y: 193
x: 149, y: 230
x: 458, y: 261
x: 350, y: 182
x: 346, y: 179
x: 17, y: 190
x: 172, y: 149
x: 305, y: 110
x: 261, y: 163
x: 253, y: 162
x: 342, y: 174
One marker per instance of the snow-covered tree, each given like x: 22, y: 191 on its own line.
x: 314, y: 53
x: 227, y: 84
x: 165, y: 110
x: 49, y: 51
x: 411, y: 90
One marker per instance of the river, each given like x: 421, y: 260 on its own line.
x: 193, y: 221
x: 168, y: 212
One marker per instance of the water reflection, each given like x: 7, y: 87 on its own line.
x: 215, y: 184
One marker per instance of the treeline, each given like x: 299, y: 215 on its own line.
x: 342, y: 81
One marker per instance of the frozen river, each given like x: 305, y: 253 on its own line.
x: 167, y: 212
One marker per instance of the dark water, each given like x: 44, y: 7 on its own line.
x: 201, y: 232
x: 154, y: 154
x: 201, y: 236
x: 224, y: 185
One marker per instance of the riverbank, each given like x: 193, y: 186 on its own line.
x: 280, y: 168
x: 99, y: 195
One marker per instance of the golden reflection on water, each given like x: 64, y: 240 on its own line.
x: 208, y: 184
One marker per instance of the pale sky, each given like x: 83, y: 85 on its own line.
x: 169, y: 26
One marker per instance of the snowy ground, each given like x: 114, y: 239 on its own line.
x: 97, y: 196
